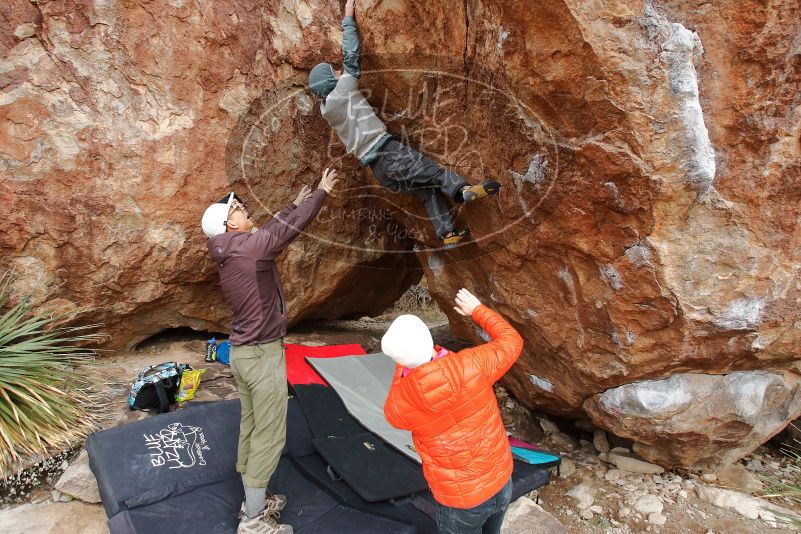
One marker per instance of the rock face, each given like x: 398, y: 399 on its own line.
x: 650, y: 156
x: 117, y: 124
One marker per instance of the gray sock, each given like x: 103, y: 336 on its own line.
x: 254, y: 501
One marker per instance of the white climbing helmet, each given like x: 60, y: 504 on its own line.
x: 215, y: 218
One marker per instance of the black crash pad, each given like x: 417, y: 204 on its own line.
x: 525, y: 478
x: 325, y: 412
x: 298, y: 433
x: 311, y: 510
x: 374, y: 470
x: 165, y: 455
x: 211, y: 508
x: 315, y: 468
x: 194, y: 502
x: 214, y: 509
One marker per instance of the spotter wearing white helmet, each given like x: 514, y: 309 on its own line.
x: 216, y: 218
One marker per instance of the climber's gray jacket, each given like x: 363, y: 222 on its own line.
x: 346, y: 109
x: 249, y: 276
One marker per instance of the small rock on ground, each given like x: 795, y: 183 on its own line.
x: 745, y: 505
x: 78, y: 480
x: 525, y: 516
x: 54, y: 518
x: 563, y: 442
x: 567, y: 468
x: 629, y: 463
x: 584, y: 494
x: 649, y: 504
x: 599, y: 441
x: 736, y: 476
x: 549, y: 427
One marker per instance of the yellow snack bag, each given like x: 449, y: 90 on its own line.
x: 190, y: 380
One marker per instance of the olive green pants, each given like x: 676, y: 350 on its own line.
x: 260, y: 373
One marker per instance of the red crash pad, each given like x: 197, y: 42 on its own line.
x: 298, y: 371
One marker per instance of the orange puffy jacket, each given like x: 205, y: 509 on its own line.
x: 450, y: 407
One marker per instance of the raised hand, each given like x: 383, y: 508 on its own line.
x: 349, y: 8
x: 329, y: 180
x: 304, y: 193
x: 466, y: 303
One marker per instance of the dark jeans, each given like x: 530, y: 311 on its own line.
x: 402, y: 169
x: 486, y: 518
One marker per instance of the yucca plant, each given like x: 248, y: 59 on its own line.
x: 46, y: 399
x: 791, y: 489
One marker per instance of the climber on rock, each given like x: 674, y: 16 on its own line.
x: 396, y: 166
x: 250, y: 282
x: 448, y: 403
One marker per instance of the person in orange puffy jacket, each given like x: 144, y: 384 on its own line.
x: 447, y: 401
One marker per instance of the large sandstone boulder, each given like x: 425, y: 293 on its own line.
x: 696, y: 419
x: 649, y: 154
x: 117, y: 127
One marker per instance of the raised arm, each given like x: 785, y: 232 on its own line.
x: 274, y: 236
x: 351, y: 47
x: 497, y: 356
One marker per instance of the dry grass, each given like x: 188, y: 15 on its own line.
x: 788, y: 488
x: 416, y: 300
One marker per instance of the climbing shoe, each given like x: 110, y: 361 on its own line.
x: 451, y: 239
x: 474, y: 192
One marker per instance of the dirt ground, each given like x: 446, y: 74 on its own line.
x: 613, y: 491
x: 685, y: 515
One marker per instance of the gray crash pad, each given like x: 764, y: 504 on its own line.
x: 362, y: 382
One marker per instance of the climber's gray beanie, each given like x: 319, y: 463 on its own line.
x: 322, y: 79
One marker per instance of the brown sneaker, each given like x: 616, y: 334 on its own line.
x: 474, y: 192
x: 262, y: 524
x: 274, y: 502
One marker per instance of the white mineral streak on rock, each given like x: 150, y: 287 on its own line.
x: 679, y: 51
x: 648, y: 397
x: 541, y: 383
x: 535, y: 174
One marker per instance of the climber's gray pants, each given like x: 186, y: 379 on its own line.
x: 404, y: 170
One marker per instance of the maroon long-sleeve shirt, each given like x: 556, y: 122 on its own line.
x: 249, y: 276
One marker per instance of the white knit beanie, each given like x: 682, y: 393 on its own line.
x: 408, y: 342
